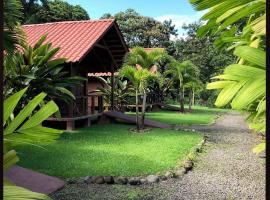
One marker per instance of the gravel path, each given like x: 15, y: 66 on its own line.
x: 227, y: 169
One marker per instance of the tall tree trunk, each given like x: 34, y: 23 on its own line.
x: 190, y: 99
x: 181, y: 98
x: 137, y: 111
x: 193, y: 98
x: 182, y: 109
x: 143, y: 109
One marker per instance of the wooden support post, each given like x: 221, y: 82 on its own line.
x: 100, y: 104
x: 112, y: 90
x: 92, y: 105
x: 87, y: 122
x: 70, y: 125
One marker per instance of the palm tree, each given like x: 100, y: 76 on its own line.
x: 138, y: 77
x: 191, y: 80
x: 13, y: 34
x: 193, y: 86
x: 180, y: 72
x: 140, y: 59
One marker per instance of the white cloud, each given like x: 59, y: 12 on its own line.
x: 180, y: 20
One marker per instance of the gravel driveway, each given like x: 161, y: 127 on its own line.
x: 227, y: 169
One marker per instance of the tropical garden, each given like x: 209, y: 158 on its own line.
x: 220, y: 66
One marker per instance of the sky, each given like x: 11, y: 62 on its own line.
x: 180, y: 11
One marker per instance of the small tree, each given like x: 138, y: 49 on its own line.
x: 191, y: 80
x: 183, y: 73
x: 140, y: 59
x: 176, y: 72
x: 138, y: 78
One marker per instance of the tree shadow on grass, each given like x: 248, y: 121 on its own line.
x: 89, y: 162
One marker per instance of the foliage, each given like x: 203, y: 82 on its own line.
x: 52, y: 11
x: 138, y: 78
x: 141, y: 30
x: 147, y: 63
x: 25, y: 128
x: 242, y: 84
x: 36, y: 67
x: 110, y: 150
x: 15, y: 192
x: 186, y: 74
x: 201, y: 51
x: 121, y: 91
x: 13, y: 34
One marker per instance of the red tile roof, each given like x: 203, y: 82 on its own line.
x: 75, y: 38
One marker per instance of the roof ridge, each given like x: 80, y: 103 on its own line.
x: 71, y: 22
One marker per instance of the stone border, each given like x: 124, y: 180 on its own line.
x: 182, y: 169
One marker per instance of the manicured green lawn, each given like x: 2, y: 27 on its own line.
x: 199, y: 115
x: 110, y: 150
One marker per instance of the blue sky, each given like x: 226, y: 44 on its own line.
x: 180, y: 11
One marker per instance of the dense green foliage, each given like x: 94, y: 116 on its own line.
x: 141, y: 30
x: 242, y: 84
x: 140, y: 68
x: 110, y: 150
x: 51, y: 11
x: 36, y: 68
x: 138, y: 78
x: 24, y: 128
x: 25, y: 112
x: 186, y: 76
x: 13, y: 34
x: 122, y: 90
x: 201, y: 51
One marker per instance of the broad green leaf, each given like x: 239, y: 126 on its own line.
x: 205, y: 4
x: 48, y: 56
x: 34, y: 135
x: 40, y: 41
x: 19, y: 193
x: 203, y: 30
x: 65, y: 91
x: 257, y: 7
x: 44, y: 113
x: 228, y: 93
x: 55, y: 62
x: 25, y: 112
x: 219, y: 9
x: 218, y: 84
x: 261, y: 109
x: 229, y: 13
x: 259, y: 148
x: 259, y: 26
x: 11, y: 102
x: 252, y: 55
x: 243, y: 71
x: 251, y: 91
x: 10, y: 159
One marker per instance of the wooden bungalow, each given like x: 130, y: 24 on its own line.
x: 91, y: 46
